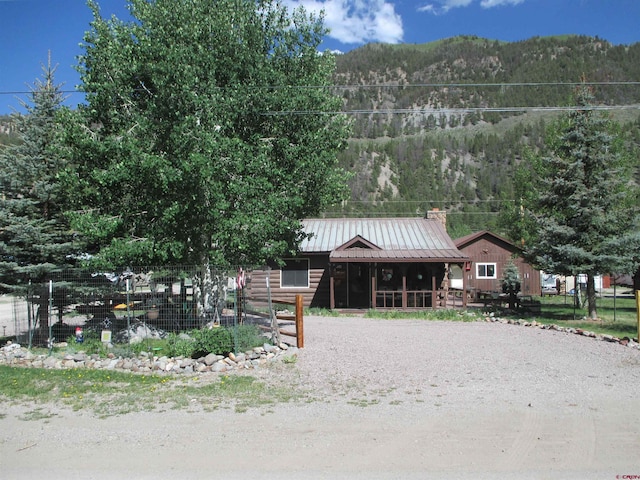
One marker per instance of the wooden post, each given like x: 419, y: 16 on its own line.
x: 332, y: 287
x: 299, y: 322
x: 374, y: 301
x: 434, y: 292
x: 404, y: 287
x: 638, y: 312
x: 464, y: 287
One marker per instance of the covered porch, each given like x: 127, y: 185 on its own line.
x: 393, y: 285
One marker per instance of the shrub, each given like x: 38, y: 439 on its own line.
x: 180, y: 346
x: 249, y: 336
x: 212, y: 340
x: 219, y: 341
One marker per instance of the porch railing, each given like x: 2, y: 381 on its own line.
x: 414, y: 299
x: 418, y: 299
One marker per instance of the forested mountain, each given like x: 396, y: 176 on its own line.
x: 8, y: 132
x: 444, y: 124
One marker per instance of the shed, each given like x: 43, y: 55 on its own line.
x: 489, y: 254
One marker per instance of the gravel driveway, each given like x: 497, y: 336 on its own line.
x: 398, y: 399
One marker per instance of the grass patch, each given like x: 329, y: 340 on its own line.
x: 323, y: 312
x: 37, y: 414
x: 616, y: 317
x: 448, y: 314
x: 107, y: 393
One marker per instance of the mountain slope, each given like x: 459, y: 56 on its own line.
x: 444, y: 124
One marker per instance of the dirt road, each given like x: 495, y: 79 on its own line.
x: 396, y: 400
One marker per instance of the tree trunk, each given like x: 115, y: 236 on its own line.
x: 636, y: 280
x: 513, y: 299
x: 591, y: 297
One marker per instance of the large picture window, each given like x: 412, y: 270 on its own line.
x: 486, y: 270
x: 295, y: 273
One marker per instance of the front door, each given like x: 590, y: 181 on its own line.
x: 359, y: 285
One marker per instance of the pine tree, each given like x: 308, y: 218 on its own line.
x: 34, y: 238
x: 583, y: 213
x: 511, y: 283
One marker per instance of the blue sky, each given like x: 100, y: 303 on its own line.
x: 29, y: 29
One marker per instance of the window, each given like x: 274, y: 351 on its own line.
x: 295, y: 273
x: 486, y: 270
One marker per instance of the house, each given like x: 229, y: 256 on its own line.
x: 361, y: 263
x: 489, y: 254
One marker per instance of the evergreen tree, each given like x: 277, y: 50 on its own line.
x: 208, y: 135
x: 511, y: 283
x: 34, y: 237
x: 583, y: 214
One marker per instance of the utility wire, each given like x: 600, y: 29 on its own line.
x: 463, y: 110
x: 398, y: 85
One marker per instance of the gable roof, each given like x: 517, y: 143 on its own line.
x: 358, y: 242
x: 380, y: 239
x: 465, y: 241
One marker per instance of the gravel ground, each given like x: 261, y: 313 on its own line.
x: 391, y: 399
x: 484, y: 363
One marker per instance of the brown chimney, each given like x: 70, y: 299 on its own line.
x: 437, y: 214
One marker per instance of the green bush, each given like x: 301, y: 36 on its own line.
x: 219, y: 341
x: 249, y: 336
x: 92, y: 345
x: 180, y: 346
x: 212, y: 340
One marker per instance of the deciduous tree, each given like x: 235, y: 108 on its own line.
x: 207, y: 135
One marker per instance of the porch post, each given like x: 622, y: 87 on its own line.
x: 404, y: 287
x: 433, y: 290
x: 464, y: 287
x: 332, y: 295
x: 373, y: 285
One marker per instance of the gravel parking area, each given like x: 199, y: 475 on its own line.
x: 403, y: 399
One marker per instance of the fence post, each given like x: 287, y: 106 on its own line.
x: 299, y: 322
x: 638, y: 311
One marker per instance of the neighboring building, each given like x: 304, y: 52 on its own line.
x: 489, y: 254
x: 363, y: 263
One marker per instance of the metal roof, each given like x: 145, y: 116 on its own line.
x: 468, y: 239
x: 398, y: 239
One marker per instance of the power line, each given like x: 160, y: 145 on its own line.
x: 489, y: 84
x: 398, y: 85
x: 454, y: 111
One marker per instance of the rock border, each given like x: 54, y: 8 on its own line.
x: 13, y: 354
x: 625, y: 341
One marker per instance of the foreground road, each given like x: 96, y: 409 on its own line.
x: 394, y: 399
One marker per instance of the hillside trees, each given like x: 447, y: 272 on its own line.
x: 207, y: 133
x: 579, y: 205
x: 35, y: 239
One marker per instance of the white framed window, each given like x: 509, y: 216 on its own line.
x: 486, y: 271
x: 295, y: 273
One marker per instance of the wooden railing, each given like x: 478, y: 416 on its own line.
x: 297, y: 317
x: 414, y: 299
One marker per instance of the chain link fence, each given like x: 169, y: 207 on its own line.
x: 129, y: 306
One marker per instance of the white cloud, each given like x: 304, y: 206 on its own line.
x: 498, y: 3
x: 443, y: 6
x: 357, y: 21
